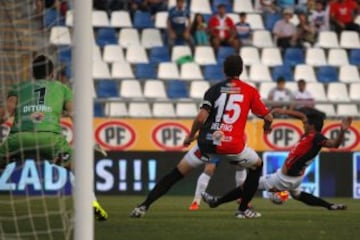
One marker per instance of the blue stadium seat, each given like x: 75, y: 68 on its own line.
x: 143, y: 20
x: 52, y: 18
x: 270, y: 19
x: 159, y: 54
x: 213, y: 72
x: 354, y: 57
x: 227, y: 3
x: 177, y: 89
x: 294, y: 56
x: 98, y: 110
x: 327, y: 74
x: 223, y: 53
x: 64, y: 54
x: 145, y: 71
x: 107, y: 88
x: 284, y: 71
x: 106, y: 36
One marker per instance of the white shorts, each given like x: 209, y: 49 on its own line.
x: 247, y: 158
x: 280, y: 182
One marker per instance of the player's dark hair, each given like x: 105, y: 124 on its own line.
x: 316, y: 120
x: 42, y: 67
x: 233, y: 66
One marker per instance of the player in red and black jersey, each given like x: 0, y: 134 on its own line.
x: 290, y: 176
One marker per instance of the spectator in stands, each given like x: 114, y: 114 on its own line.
x: 50, y: 10
x: 243, y: 30
x: 178, y: 24
x: 198, y: 30
x: 302, y: 96
x: 285, y: 31
x: 111, y: 5
x: 151, y: 6
x: 319, y: 17
x: 306, y: 33
x: 342, y: 14
x: 280, y: 93
x: 266, y: 6
x: 222, y: 30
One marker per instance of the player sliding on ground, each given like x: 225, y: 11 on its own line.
x: 290, y: 176
x: 221, y: 123
x: 37, y: 106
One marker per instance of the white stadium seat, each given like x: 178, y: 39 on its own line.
x: 151, y: 38
x: 113, y: 53
x: 200, y: 6
x: 163, y: 110
x: 262, y: 39
x: 260, y: 73
x: 350, y: 110
x: 338, y: 57
x: 355, y: 91
x: 265, y: 89
x: 328, y: 109
x: 180, y: 51
x: 161, y: 19
x: 130, y: 89
x: 250, y: 55
x: 349, y: 73
x: 190, y: 71
x: 154, y: 89
x: 306, y: 72
x: 315, y: 57
x: 122, y: 70
x: 100, y: 19
x: 69, y: 18
x: 168, y: 70
x: 129, y: 37
x: 139, y: 110
x: 120, y: 19
x: 186, y: 109
x: 328, y: 39
x: 337, y: 92
x: 317, y: 90
x: 198, y: 89
x: 204, y: 55
x: 100, y: 70
x: 243, y: 6
x: 349, y: 39
x: 271, y: 57
x: 292, y: 86
x: 60, y: 36
x: 255, y: 21
x: 136, y: 54
x: 234, y: 16
x: 244, y: 75
x: 116, y: 109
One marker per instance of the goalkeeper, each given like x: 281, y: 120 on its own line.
x: 37, y: 107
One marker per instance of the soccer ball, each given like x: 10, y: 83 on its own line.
x: 279, y: 197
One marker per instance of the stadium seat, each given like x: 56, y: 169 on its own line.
x: 305, y: 72
x: 186, y: 109
x: 154, y: 89
x: 200, y: 6
x: 198, y: 89
x: 357, y: 19
x: 244, y: 75
x: 163, y: 110
x: 172, y: 3
x: 107, y: 88
x: 224, y: 52
x: 282, y: 71
x: 338, y: 57
x: 120, y: 19
x: 326, y: 74
x: 190, y: 71
x: 145, y: 71
x: 234, y: 17
x: 161, y: 19
x: 69, y: 18
x: 250, y: 55
x: 116, y: 109
x: 337, y: 92
x: 60, y: 35
x: 315, y: 57
x: 204, y: 55
x: 262, y: 39
x: 113, y: 53
x: 143, y: 20
x: 100, y: 19
x: 98, y: 110
x: 131, y: 89
x: 100, y: 70
x: 168, y: 70
x: 265, y: 88
x: 355, y: 91
x: 270, y: 20
x: 177, y: 89
x: 317, y: 90
x: 294, y: 56
x: 348, y: 74
x: 151, y: 38
x: 122, y: 70
x: 292, y: 86
x: 159, y: 54
x: 328, y: 109
x: 139, y: 110
x: 328, y: 39
x: 349, y: 39
x: 355, y: 57
x: 271, y: 57
x: 347, y: 110
x: 52, y: 18
x: 227, y: 3
x: 64, y: 54
x: 243, y: 6
x: 179, y: 52
x: 105, y: 36
x: 136, y: 54
x: 260, y: 73
x: 129, y: 37
x: 213, y: 73
x: 255, y: 21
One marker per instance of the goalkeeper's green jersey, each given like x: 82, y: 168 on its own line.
x: 40, y: 104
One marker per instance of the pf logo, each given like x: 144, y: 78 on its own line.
x: 283, y: 136
x: 170, y: 136
x: 351, y: 138
x: 115, y: 135
x: 67, y: 131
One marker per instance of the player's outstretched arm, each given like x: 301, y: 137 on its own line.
x: 335, y: 143
x: 197, y: 124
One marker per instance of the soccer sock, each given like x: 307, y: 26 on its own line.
x: 202, y: 183
x: 72, y: 181
x: 240, y: 177
x: 311, y: 200
x: 234, y: 194
x: 162, y: 187
x: 250, y: 187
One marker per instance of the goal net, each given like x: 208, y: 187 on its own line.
x: 35, y: 194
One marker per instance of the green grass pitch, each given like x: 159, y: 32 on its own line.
x: 169, y: 219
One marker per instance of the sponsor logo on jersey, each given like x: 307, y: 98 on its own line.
x: 67, y: 130
x: 283, y: 136
x: 351, y: 138
x: 4, y: 131
x: 115, y: 135
x: 356, y: 175
x: 170, y: 136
